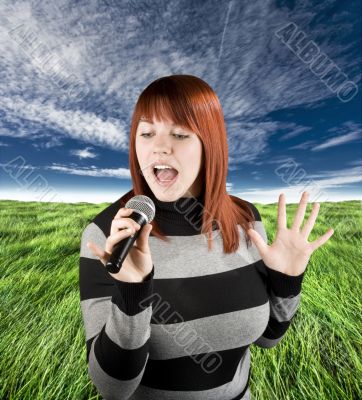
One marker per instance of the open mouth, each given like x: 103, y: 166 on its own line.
x: 165, y: 177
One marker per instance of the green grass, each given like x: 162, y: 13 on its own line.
x: 42, y: 342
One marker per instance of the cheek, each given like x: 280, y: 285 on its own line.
x: 195, y: 153
x: 140, y: 151
x: 137, y: 147
x: 192, y: 158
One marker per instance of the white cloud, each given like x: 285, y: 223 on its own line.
x: 349, y: 137
x: 348, y: 131
x: 321, y: 187
x: 293, y: 195
x: 122, y: 173
x: 295, y: 131
x: 249, y: 140
x: 115, y: 53
x: 83, y: 126
x: 260, y: 195
x: 345, y: 172
x: 90, y: 41
x: 355, y: 162
x: 305, y: 145
x: 85, y: 153
x: 54, y: 141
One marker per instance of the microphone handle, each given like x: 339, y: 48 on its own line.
x: 122, y: 248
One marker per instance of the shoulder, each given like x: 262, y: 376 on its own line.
x: 244, y: 203
x: 256, y: 212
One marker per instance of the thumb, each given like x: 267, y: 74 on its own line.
x: 258, y: 241
x: 142, y: 240
x: 97, y: 251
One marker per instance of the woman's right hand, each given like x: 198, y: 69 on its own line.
x: 138, y: 262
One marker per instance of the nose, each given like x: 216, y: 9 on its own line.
x: 161, y: 145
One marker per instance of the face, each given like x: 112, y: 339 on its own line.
x: 175, y: 146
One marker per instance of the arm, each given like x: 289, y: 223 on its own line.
x: 116, y: 318
x: 284, y: 292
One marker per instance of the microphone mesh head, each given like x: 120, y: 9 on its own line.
x: 143, y: 204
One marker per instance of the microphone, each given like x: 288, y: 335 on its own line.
x: 143, y: 213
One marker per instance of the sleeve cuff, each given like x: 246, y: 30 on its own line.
x: 134, y: 297
x: 284, y: 285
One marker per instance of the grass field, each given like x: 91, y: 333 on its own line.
x: 42, y: 346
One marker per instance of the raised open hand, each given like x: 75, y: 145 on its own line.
x: 290, y: 251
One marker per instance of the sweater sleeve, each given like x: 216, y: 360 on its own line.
x: 284, y: 293
x: 116, y: 317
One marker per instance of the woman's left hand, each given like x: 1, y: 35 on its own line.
x: 290, y: 251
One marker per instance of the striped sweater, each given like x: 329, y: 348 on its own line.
x: 185, y: 331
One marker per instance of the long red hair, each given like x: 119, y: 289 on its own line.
x: 191, y: 103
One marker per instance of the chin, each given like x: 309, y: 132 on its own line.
x: 167, y: 194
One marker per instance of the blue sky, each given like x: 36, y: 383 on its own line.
x: 71, y: 73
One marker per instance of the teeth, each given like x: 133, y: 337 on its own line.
x: 162, y: 167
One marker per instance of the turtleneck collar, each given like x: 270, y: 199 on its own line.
x: 185, y: 211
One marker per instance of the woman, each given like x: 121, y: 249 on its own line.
x: 178, y: 319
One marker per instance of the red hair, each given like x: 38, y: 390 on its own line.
x: 190, y: 102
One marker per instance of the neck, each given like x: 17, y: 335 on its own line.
x: 185, y: 211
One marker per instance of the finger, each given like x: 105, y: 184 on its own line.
x: 122, y: 223
x: 307, y: 228
x: 112, y: 240
x: 282, y: 218
x: 299, y: 215
x: 318, y: 242
x: 97, y: 251
x: 123, y: 212
x: 258, y: 241
x: 142, y: 240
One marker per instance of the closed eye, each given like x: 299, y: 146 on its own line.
x: 181, y: 137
